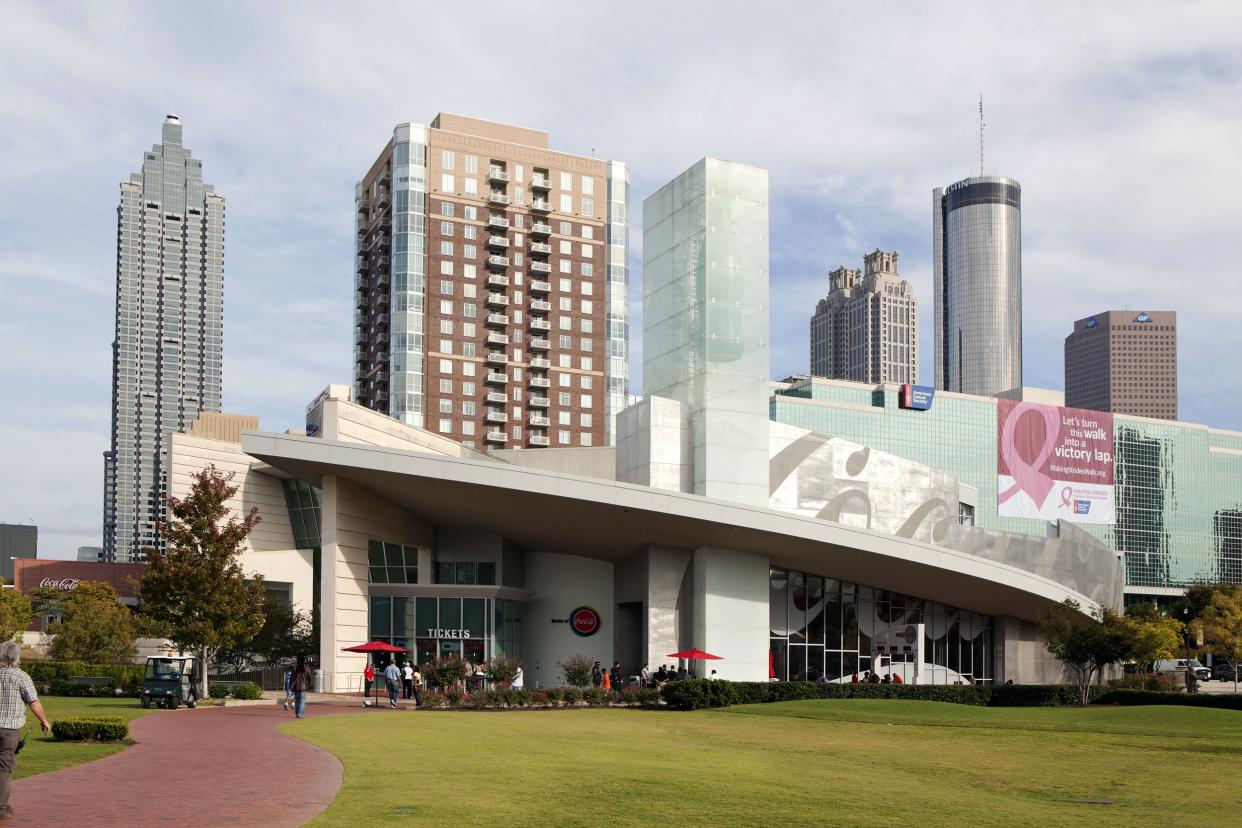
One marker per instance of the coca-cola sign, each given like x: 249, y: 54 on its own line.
x: 64, y: 583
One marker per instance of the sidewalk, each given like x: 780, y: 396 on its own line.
x: 205, y: 767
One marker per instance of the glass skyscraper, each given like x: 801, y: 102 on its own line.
x: 977, y: 263
x: 169, y: 333
x: 1178, y: 485
x: 705, y: 319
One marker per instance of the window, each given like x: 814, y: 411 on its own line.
x: 588, y: 185
x: 585, y: 439
x: 468, y: 291
x: 446, y: 183
x: 467, y: 368
x: 471, y: 186
x: 446, y: 346
x: 468, y: 271
x: 446, y: 406
x: 446, y: 307
x: 471, y: 213
x: 467, y: 388
x: 446, y: 366
x: 446, y: 248
x: 467, y: 349
x: 446, y: 287
x: 467, y: 408
x: 566, y: 229
x: 584, y: 420
x: 567, y: 204
x: 446, y: 208
x: 566, y: 266
x: 586, y: 325
x: 468, y: 310
x: 472, y: 163
x: 562, y: 418
x: 446, y: 228
x: 585, y: 250
x: 469, y: 251
x: 446, y: 159
x: 446, y: 267
x: 562, y: 437
x: 585, y: 384
x: 565, y: 323
x: 566, y: 248
x: 567, y: 181
x: 467, y: 573
x: 446, y: 386
x: 588, y: 232
x: 585, y: 287
x: 566, y: 341
x: 392, y: 563
x: 519, y: 172
x: 564, y: 380
x: 588, y: 206
x: 585, y: 399
x: 446, y: 426
x: 586, y: 306
x: 467, y: 427
x: 564, y: 398
x: 469, y: 231
x: 566, y: 303
x: 586, y: 363
x: 588, y: 270
x: 585, y: 344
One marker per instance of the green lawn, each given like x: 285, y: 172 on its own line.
x: 856, y: 762
x: 43, y: 753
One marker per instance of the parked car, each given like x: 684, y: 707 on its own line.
x: 1173, y: 665
x: 1221, y: 671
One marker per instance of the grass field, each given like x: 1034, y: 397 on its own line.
x: 839, y: 762
x: 43, y: 753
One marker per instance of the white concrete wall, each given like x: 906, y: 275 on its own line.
x: 731, y: 613
x: 654, y: 446
x: 561, y: 583
x: 269, y: 550
x: 352, y: 423
x: 599, y: 462
x: 352, y: 517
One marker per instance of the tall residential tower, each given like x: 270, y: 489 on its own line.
x: 867, y: 328
x: 169, y: 332
x: 977, y: 262
x: 491, y: 284
x: 1124, y: 362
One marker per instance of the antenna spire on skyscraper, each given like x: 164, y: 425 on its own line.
x: 980, y: 134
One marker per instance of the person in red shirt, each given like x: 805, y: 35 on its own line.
x: 605, y: 680
x: 897, y: 679
x: 368, y: 676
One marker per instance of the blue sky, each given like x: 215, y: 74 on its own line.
x: 1121, y: 121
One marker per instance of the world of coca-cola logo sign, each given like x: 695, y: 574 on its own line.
x: 62, y: 583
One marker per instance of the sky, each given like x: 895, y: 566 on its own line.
x: 1121, y: 120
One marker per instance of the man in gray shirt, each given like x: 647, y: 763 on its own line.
x: 17, y: 692
x: 392, y: 677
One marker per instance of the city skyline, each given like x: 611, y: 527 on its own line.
x: 1092, y: 137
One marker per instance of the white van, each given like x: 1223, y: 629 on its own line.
x: 1173, y: 665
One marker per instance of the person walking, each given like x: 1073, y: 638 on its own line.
x: 300, y: 684
x: 644, y: 676
x: 596, y: 670
x: 368, y: 676
x: 605, y: 680
x: 392, y: 678
x: 417, y: 686
x: 519, y: 680
x: 17, y: 692
x: 407, y: 681
x: 288, y: 691
x: 616, y: 675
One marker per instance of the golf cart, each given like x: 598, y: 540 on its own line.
x: 170, y: 681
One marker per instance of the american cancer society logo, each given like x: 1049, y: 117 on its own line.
x: 1082, y: 507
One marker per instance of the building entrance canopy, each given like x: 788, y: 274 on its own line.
x: 606, y: 520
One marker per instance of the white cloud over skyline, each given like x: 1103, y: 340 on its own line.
x: 1119, y: 119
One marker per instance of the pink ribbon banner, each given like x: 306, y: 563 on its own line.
x: 1054, y: 463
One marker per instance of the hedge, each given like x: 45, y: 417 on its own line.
x: 46, y: 672
x: 694, y: 694
x: 63, y: 687
x: 100, y: 729
x: 240, y: 690
x: 1133, y: 697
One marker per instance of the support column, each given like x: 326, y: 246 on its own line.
x: 731, y: 613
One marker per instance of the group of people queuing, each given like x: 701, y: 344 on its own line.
x: 605, y: 678
x: 869, y: 677
x: 664, y: 675
x: 402, y: 681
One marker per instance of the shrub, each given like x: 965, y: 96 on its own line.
x: 448, y: 672
x: 454, y: 696
x: 595, y: 696
x: 693, y: 694
x: 538, y: 698
x: 126, y: 676
x: 502, y: 670
x: 246, y: 690
x: 98, y: 729
x: 1133, y: 697
x: 555, y: 695
x: 649, y: 697
x: 481, y: 699
x: 577, y: 670
x: 571, y: 695
x: 434, y: 700
x: 1147, y: 681
x: 218, y: 691
x: 1042, y: 695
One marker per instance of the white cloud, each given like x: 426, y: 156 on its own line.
x: 1119, y: 119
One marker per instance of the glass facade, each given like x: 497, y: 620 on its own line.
x: 1178, y: 485
x: 168, y: 344
x: 392, y: 563
x: 822, y: 626
x: 617, y: 358
x: 475, y: 629
x: 705, y: 316
x: 977, y: 262
x: 302, y: 499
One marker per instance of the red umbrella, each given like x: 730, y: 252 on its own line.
x: 375, y: 647
x: 695, y: 655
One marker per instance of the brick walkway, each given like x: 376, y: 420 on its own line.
x: 205, y: 767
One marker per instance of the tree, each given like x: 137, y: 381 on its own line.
x: 93, y: 627
x: 15, y: 613
x: 1222, y: 625
x: 449, y: 672
x: 577, y: 670
x: 502, y: 670
x: 1152, y: 636
x: 287, y: 633
x: 196, y: 588
x: 1085, y: 645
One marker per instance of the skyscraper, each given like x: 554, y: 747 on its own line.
x: 1124, y: 362
x: 169, y: 332
x: 977, y: 263
x: 867, y: 328
x: 705, y: 320
x: 491, y: 283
